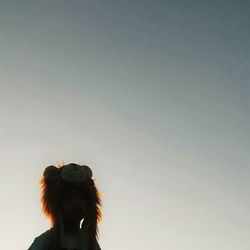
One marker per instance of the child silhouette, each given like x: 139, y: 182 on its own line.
x: 69, y: 197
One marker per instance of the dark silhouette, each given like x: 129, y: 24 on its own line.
x: 69, y: 196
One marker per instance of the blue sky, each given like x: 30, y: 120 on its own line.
x: 152, y: 95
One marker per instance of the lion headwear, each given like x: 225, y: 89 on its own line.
x: 54, y: 182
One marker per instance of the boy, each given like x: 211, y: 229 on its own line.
x: 69, y: 195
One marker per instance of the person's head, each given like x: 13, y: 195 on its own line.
x: 73, y: 205
x: 69, y: 195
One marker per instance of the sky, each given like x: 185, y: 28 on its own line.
x: 152, y: 95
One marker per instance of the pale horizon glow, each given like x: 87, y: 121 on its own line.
x: 152, y: 95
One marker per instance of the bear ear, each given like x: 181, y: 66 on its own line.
x: 51, y: 172
x: 87, y: 170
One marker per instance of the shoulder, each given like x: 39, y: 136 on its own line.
x: 41, y: 241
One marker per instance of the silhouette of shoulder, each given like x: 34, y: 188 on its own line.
x: 40, y: 242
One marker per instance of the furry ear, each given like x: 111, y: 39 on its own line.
x: 87, y: 170
x: 51, y: 172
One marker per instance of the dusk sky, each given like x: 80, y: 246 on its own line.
x: 154, y: 96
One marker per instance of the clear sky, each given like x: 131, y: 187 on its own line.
x: 152, y: 95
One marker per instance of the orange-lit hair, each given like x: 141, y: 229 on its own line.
x: 51, y: 191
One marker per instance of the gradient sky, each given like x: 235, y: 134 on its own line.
x: 153, y: 95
